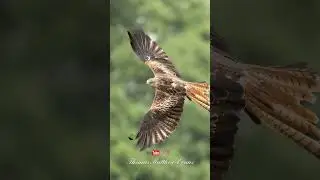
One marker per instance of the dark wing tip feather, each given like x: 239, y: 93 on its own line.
x: 144, y: 47
x: 155, y: 135
x: 217, y: 41
x: 156, y: 128
x: 137, y: 41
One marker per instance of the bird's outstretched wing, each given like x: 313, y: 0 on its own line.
x: 151, y: 53
x: 161, y: 120
x: 227, y: 99
x: 223, y: 127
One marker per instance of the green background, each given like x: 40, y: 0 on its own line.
x: 54, y: 110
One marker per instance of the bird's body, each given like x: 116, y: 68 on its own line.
x: 170, y: 92
x: 168, y: 85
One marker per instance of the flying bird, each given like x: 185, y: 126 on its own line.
x: 170, y: 91
x: 271, y: 96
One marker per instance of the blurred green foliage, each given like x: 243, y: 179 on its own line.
x: 179, y: 28
x: 53, y: 72
x: 270, y: 33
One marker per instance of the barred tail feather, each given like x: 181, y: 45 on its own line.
x: 199, y: 93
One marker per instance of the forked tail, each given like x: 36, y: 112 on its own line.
x: 199, y: 93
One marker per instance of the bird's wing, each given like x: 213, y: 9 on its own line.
x: 151, y: 53
x: 161, y: 120
x: 223, y: 128
x: 227, y: 100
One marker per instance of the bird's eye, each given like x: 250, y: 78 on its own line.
x: 148, y: 58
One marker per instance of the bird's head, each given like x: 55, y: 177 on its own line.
x: 151, y: 82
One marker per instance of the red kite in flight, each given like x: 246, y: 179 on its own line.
x: 170, y: 91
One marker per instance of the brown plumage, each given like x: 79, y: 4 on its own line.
x: 170, y: 91
x: 273, y: 97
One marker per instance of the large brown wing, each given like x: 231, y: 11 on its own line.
x: 227, y: 100
x: 151, y: 53
x: 223, y: 127
x: 161, y: 120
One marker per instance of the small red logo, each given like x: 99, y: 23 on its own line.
x: 155, y: 152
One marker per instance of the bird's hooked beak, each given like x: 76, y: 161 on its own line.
x: 150, y: 81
